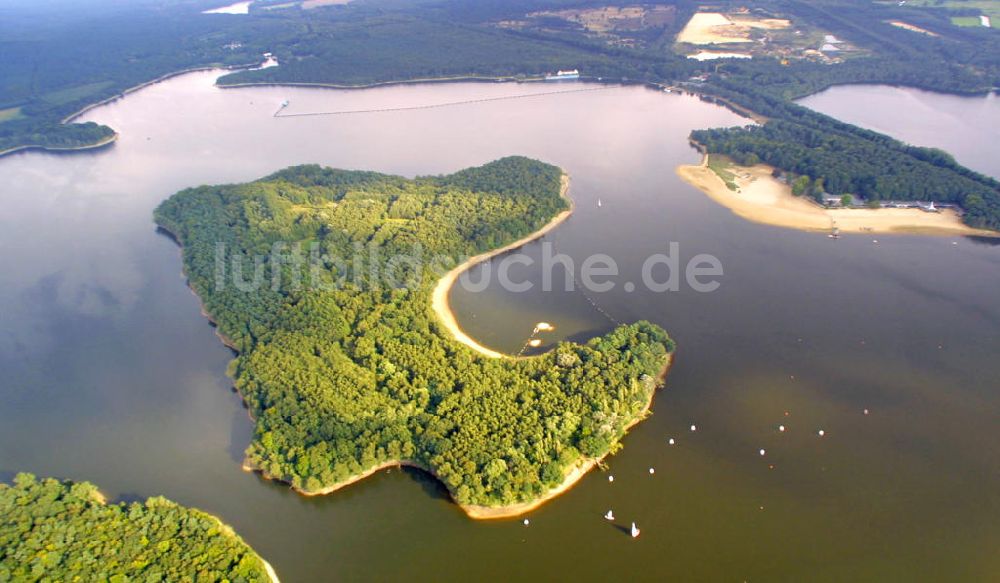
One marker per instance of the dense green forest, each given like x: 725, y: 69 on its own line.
x: 347, y: 372
x: 63, y: 531
x: 847, y: 163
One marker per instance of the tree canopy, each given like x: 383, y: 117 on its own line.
x: 64, y: 531
x: 344, y: 378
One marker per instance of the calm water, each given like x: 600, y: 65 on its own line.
x: 110, y: 374
x: 968, y: 129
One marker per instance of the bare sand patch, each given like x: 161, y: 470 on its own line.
x: 706, y: 28
x: 761, y: 198
x: 912, y: 27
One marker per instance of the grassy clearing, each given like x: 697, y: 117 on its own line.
x: 989, y: 8
x: 10, y: 113
x: 965, y: 21
x: 77, y: 93
x: 720, y: 165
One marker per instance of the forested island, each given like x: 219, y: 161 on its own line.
x: 64, y: 531
x: 345, y: 378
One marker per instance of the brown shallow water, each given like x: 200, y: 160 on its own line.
x: 109, y: 373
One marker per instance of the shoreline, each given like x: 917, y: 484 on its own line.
x: 376, y: 84
x: 120, y: 95
x: 574, y: 474
x: 61, y: 149
x: 439, y: 297
x: 478, y: 512
x: 763, y: 199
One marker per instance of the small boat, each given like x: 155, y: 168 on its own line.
x: 635, y: 531
x: 598, y: 202
x: 835, y: 233
x: 609, y: 516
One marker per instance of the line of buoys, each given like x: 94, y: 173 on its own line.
x: 439, y: 105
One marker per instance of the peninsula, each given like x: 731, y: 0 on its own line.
x: 753, y: 193
x: 347, y: 368
x: 64, y: 531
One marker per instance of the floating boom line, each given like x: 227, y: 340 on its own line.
x: 280, y: 113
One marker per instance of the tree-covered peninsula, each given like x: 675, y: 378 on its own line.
x: 62, y: 531
x: 345, y: 374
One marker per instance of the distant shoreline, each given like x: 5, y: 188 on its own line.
x: 439, y: 297
x: 373, y: 85
x: 120, y: 95
x: 65, y: 149
x: 763, y: 199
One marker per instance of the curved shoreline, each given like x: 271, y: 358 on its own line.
x: 61, y: 149
x: 481, y: 512
x: 764, y: 200
x: 439, y: 297
x: 120, y: 95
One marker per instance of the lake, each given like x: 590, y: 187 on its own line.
x: 110, y: 373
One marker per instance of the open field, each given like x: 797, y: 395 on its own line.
x: 989, y: 8
x: 743, y: 35
x: 10, y: 113
x: 721, y: 166
x: 608, y: 19
x: 71, y: 94
x: 707, y: 28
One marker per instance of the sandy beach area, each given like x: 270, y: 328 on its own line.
x: 439, y: 297
x: 761, y: 198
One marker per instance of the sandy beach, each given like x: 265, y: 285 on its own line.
x: 439, y: 297
x: 761, y: 198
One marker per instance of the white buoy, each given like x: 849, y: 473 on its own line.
x: 762, y: 452
x: 866, y: 411
x: 821, y: 433
x: 526, y: 522
x: 671, y: 441
x: 609, y: 516
x: 611, y: 478
x: 781, y: 428
x: 652, y: 471
x: 694, y: 428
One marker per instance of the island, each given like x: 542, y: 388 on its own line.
x: 64, y: 531
x: 346, y: 370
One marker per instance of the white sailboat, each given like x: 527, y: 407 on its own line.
x: 635, y: 531
x: 609, y: 516
x: 598, y: 202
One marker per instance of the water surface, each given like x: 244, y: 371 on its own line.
x: 110, y: 374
